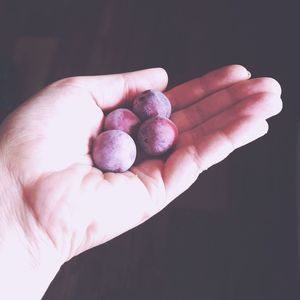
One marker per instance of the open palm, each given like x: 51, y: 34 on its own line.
x: 46, y: 144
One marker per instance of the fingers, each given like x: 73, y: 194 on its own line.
x: 113, y: 90
x: 262, y: 106
x: 202, y: 152
x: 258, y: 91
x: 196, y: 89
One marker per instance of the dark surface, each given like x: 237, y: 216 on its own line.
x: 233, y: 234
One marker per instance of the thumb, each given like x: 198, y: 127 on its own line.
x: 113, y: 90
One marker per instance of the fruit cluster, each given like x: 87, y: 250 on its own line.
x: 146, y: 125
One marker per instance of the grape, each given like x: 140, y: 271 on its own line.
x: 122, y: 119
x: 151, y: 103
x: 114, y: 151
x: 157, y: 135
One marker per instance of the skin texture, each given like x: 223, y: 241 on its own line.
x: 114, y: 151
x: 54, y: 204
x: 151, y: 103
x: 157, y: 135
x: 122, y: 119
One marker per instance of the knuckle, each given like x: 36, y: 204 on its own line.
x: 74, y: 81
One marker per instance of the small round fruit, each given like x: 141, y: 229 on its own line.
x: 122, y: 119
x: 151, y: 103
x: 114, y: 151
x: 157, y: 135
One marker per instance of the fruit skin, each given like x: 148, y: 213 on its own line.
x: 151, y: 103
x: 114, y: 151
x: 122, y: 119
x: 157, y: 135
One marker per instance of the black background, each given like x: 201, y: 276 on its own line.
x: 233, y: 235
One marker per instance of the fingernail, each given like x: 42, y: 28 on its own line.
x: 249, y: 74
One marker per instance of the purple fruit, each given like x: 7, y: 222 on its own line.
x: 114, y: 151
x: 122, y: 119
x: 157, y: 135
x: 151, y: 103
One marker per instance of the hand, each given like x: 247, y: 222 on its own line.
x: 56, y: 204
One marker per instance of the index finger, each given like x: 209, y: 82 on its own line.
x: 194, y: 90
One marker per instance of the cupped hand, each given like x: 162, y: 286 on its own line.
x: 61, y: 201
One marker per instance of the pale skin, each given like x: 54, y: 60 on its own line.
x: 54, y: 204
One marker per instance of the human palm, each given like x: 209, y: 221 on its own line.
x: 72, y: 206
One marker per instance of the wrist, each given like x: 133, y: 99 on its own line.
x: 28, y: 260
x: 24, y: 275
